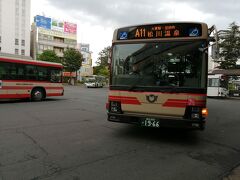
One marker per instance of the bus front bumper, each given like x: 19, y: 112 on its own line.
x: 161, y: 122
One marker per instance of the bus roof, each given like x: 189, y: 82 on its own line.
x: 159, y: 23
x: 31, y: 62
x: 162, y: 26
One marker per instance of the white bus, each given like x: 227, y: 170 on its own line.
x: 94, y: 81
x: 217, y: 86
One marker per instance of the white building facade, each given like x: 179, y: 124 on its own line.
x: 15, y: 27
x: 86, y: 68
x: 211, y: 64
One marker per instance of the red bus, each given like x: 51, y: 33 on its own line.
x: 32, y: 79
x: 159, y: 75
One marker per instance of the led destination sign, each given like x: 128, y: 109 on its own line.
x: 160, y: 31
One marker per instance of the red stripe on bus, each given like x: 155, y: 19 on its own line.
x: 17, y: 87
x: 14, y: 96
x: 18, y: 96
x: 54, y: 94
x: 183, y: 103
x: 28, y: 88
x: 54, y: 88
x: 125, y: 100
x: 33, y: 62
x: 175, y: 104
x: 30, y: 81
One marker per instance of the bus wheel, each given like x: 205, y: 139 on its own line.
x: 37, y: 94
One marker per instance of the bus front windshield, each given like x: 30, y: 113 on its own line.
x: 90, y: 80
x: 165, y: 64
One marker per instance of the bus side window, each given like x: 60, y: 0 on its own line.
x: 20, y: 72
x: 2, y: 71
x: 56, y: 76
x: 31, y: 72
x: 43, y: 74
x: 12, y: 71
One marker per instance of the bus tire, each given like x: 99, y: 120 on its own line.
x: 37, y: 94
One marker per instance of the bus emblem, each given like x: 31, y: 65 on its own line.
x: 194, y: 32
x: 151, y: 98
x: 123, y: 35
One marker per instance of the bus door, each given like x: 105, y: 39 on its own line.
x: 3, y: 92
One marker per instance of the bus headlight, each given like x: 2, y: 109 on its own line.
x: 115, y: 107
x: 195, y: 116
x: 195, y: 113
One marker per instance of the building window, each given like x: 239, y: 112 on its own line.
x: 23, y: 13
x: 22, y: 52
x: 84, y: 60
x: 40, y: 46
x: 45, y: 37
x: 60, y: 40
x: 17, y: 12
x: 16, y: 42
x: 23, y: 42
x: 16, y: 51
x: 17, y: 2
x: 84, y: 49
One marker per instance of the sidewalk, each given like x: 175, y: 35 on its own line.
x: 234, y: 175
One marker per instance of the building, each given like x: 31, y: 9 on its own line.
x: 211, y: 64
x: 213, y: 55
x: 15, y: 27
x: 86, y: 68
x: 52, y: 34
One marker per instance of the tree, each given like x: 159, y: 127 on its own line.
x: 229, y: 47
x: 103, y: 57
x: 50, y: 56
x: 102, y: 62
x: 72, y: 60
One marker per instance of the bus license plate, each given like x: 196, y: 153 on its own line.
x: 150, y: 122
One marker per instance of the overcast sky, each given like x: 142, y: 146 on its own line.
x: 97, y: 19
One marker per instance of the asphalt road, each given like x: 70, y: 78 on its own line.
x: 69, y: 138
